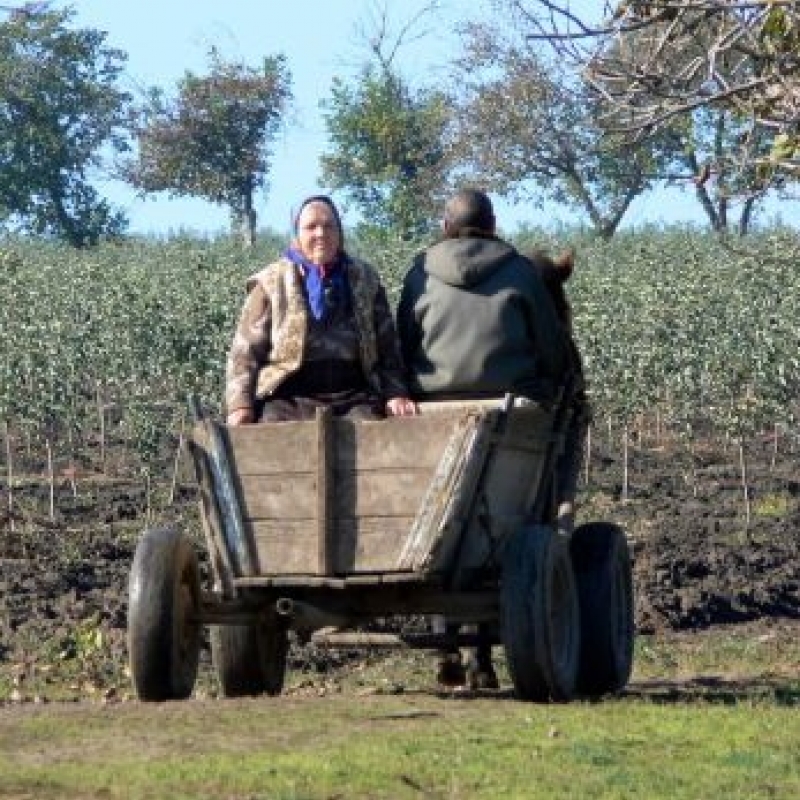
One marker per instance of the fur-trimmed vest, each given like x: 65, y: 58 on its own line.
x: 270, y: 340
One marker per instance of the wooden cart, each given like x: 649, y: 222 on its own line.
x: 322, y: 527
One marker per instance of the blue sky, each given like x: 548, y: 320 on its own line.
x: 321, y: 39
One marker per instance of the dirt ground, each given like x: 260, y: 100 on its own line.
x: 63, y: 583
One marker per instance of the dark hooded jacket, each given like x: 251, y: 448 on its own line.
x: 475, y: 319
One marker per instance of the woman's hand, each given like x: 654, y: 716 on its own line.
x: 241, y: 416
x: 401, y: 407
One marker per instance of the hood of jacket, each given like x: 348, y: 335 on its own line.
x: 467, y: 261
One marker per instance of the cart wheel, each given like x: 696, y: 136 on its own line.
x: 602, y: 564
x: 249, y: 659
x: 163, y: 596
x: 540, y: 617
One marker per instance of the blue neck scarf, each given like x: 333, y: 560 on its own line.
x: 326, y: 285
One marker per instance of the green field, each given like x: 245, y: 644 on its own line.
x: 671, y: 322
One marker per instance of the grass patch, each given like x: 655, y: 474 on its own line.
x: 773, y: 506
x: 409, y: 746
x: 708, y: 714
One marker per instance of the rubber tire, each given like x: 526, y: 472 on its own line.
x: 539, y: 615
x: 249, y: 659
x: 163, y: 594
x: 602, y: 564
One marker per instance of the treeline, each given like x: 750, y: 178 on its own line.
x: 515, y: 117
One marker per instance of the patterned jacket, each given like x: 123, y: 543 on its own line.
x: 270, y: 339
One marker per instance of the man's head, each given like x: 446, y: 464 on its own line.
x: 468, y: 212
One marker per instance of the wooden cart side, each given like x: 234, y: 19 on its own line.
x: 339, y: 497
x: 438, y: 523
x: 334, y: 497
x: 325, y: 461
x: 276, y: 469
x: 382, y: 471
x: 486, y: 487
x: 219, y: 500
x: 515, y: 475
x: 210, y: 516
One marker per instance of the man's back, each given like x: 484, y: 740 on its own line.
x: 475, y: 319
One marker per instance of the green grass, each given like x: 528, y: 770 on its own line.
x: 707, y: 715
x: 774, y: 505
x: 402, y: 746
x: 731, y: 653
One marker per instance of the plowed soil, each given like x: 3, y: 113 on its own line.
x: 698, y: 561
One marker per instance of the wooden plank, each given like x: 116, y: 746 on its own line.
x: 286, y: 547
x: 467, y: 443
x: 480, y: 405
x: 367, y: 544
x: 212, y: 458
x: 272, y: 448
x: 395, y: 443
x: 509, y: 488
x: 325, y: 490
x: 381, y: 493
x: 288, y: 447
x: 370, y: 544
x: 286, y: 497
x: 210, y: 516
x: 299, y: 581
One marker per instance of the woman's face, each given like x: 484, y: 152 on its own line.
x: 318, y: 234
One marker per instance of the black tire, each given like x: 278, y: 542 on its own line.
x: 163, y: 597
x: 602, y: 564
x: 249, y: 659
x: 539, y: 615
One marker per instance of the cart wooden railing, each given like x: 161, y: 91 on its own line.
x: 428, y: 495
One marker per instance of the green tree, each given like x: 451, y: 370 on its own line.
x: 528, y: 129
x: 729, y: 190
x: 213, y: 141
x: 388, y: 151
x: 59, y: 106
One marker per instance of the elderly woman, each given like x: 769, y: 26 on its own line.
x: 316, y: 330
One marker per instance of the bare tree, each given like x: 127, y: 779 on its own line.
x: 529, y: 129
x: 383, y: 39
x: 654, y: 60
x: 729, y: 69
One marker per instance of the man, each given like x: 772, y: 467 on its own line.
x: 475, y: 319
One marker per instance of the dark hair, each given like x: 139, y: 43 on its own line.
x: 325, y: 200
x: 469, y: 211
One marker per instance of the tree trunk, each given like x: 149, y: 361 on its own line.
x: 708, y: 207
x: 69, y: 230
x: 613, y: 220
x: 747, y: 216
x: 723, y: 195
x: 604, y: 225
x: 247, y: 219
x: 722, y: 206
x: 249, y: 228
x: 243, y: 216
x: 702, y: 193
